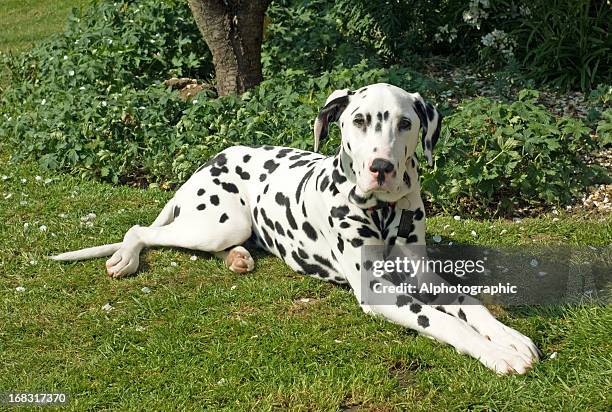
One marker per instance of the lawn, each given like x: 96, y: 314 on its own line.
x: 186, y: 333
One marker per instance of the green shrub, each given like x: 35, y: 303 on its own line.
x: 566, y: 42
x: 494, y: 158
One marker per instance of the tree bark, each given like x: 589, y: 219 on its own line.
x: 233, y: 31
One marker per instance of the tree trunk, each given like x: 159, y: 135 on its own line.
x: 233, y: 31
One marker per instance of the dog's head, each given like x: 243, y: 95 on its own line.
x: 380, y: 127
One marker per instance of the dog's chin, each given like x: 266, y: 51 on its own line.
x: 385, y: 193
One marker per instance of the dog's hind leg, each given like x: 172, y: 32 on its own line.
x: 184, y: 233
x: 165, y: 216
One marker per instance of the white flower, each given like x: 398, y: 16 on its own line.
x: 8, y: 196
x: 533, y: 263
x: 107, y: 307
x: 4, y: 177
x: 145, y: 290
x: 221, y: 381
x: 71, y: 73
x: 503, y: 232
x: 42, y: 228
x: 24, y: 181
x: 553, y: 355
x: 65, y: 57
x: 457, y: 217
x: 62, y: 215
x: 38, y: 178
x: 437, y: 238
x: 91, y: 216
x: 20, y: 289
x: 233, y: 287
x: 103, y: 103
x: 43, y: 102
x: 33, y: 262
x: 473, y: 233
x: 194, y: 101
x: 193, y: 257
x: 47, y: 181
x: 173, y: 264
x: 304, y: 300
x: 23, y: 203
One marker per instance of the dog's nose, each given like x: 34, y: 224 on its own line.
x: 380, y: 168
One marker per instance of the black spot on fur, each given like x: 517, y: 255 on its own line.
x: 216, y: 181
x: 378, y: 127
x: 270, y: 165
x: 283, y: 152
x: 340, y: 244
x: 324, y: 183
x: 379, y: 116
x: 229, y: 187
x: 223, y: 218
x: 217, y: 171
x: 366, y: 231
x: 280, y: 248
x: 337, y: 177
x: 267, y: 236
x: 386, y: 115
x: 246, y: 158
x: 368, y: 119
x: 299, y: 163
x: 357, y: 242
x: 423, y: 321
x: 302, y: 183
x: 243, y: 175
x: 339, y: 212
x: 283, y: 200
x: 309, y: 268
x: 461, y: 315
x: 267, y: 221
x: 177, y: 211
x: 309, y: 230
x: 403, y: 300
x: 242, y: 202
x: 345, y: 225
x: 461, y: 299
x: 262, y: 177
x: 302, y: 253
x: 358, y: 266
x: 418, y: 214
x: 201, y: 192
x: 322, y: 261
x: 214, y: 199
x: 267, y: 147
x: 201, y: 206
x: 415, y: 308
x: 407, y: 179
x: 255, y: 213
x: 279, y: 229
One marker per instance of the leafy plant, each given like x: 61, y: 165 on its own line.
x: 566, y: 42
x: 496, y: 157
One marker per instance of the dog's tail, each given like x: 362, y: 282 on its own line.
x: 88, y: 253
x: 166, y: 216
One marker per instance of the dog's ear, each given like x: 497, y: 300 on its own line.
x: 431, y: 122
x: 330, y: 113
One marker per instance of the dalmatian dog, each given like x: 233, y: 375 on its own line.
x: 317, y: 212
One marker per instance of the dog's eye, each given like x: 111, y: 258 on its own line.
x: 405, y: 124
x: 359, y: 121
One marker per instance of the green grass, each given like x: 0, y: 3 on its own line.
x: 205, y: 338
x: 24, y: 22
x: 208, y: 338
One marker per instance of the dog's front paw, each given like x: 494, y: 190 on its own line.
x: 505, y: 360
x: 512, y: 339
